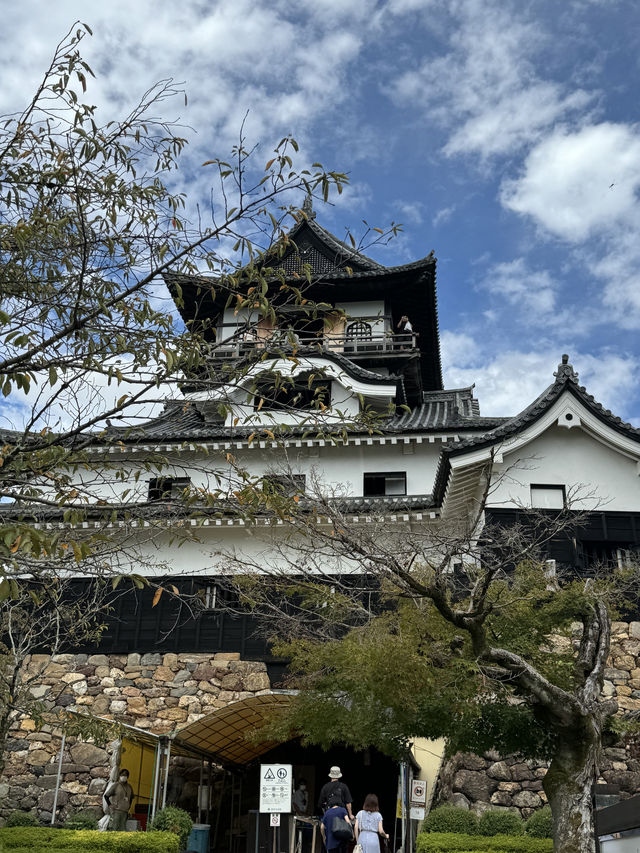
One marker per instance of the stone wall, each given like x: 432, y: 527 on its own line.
x: 491, y: 781
x: 152, y: 691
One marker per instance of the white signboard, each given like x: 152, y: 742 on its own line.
x: 274, y: 819
x: 417, y: 812
x: 276, y: 782
x: 418, y: 792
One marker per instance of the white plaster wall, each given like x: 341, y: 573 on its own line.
x: 575, y: 459
x: 340, y: 468
x: 371, y: 309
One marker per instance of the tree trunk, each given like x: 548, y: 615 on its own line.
x: 569, y: 788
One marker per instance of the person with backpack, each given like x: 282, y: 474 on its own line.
x: 335, y: 829
x: 335, y: 793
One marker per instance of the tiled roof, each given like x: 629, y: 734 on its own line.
x: 448, y: 410
x: 454, y: 408
x: 566, y: 379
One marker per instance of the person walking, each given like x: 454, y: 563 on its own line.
x: 369, y: 825
x: 328, y: 829
x: 119, y: 796
x: 335, y: 792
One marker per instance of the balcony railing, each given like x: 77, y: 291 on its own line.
x: 246, y: 341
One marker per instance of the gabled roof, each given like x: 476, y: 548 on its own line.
x: 566, y: 380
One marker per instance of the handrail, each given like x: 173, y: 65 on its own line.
x: 250, y: 339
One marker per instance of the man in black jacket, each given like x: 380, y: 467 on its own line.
x: 335, y: 793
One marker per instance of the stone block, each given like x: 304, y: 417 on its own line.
x: 39, y: 757
x: 114, y: 672
x: 626, y: 662
x: 500, y: 771
x: 178, y: 715
x: 619, y: 628
x: 459, y: 800
x: 46, y: 800
x: 520, y: 772
x: 28, y: 726
x: 257, y: 681
x: 474, y: 785
x: 73, y: 787
x: 616, y: 675
x: 163, y: 673
x: 80, y: 687
x: 527, y: 800
x: 608, y: 689
x: 227, y: 656
x: 39, y: 690
x: 170, y: 660
x: 98, y: 660
x: 97, y: 786
x: 151, y: 659
x: 181, y: 676
x: 501, y: 798
x: 118, y: 706
x: 71, y: 677
x: 89, y: 754
x: 134, y: 659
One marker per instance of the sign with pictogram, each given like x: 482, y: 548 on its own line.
x: 274, y: 819
x: 418, y: 792
x: 276, y: 782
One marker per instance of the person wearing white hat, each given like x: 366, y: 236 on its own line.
x: 335, y: 793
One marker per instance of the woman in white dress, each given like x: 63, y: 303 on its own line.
x: 369, y: 825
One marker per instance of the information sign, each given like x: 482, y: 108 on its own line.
x: 276, y: 782
x: 275, y: 819
x: 417, y: 812
x: 418, y: 792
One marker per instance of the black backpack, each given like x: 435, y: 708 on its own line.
x: 335, y: 796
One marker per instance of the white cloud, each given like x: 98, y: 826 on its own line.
x: 532, y: 291
x: 443, y: 215
x: 579, y: 184
x: 485, y: 88
x: 508, y: 382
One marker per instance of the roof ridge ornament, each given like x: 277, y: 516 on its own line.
x: 566, y: 371
x: 307, y: 207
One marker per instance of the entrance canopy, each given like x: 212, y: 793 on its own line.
x: 225, y: 736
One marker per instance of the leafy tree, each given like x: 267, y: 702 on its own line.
x: 388, y: 642
x: 89, y: 226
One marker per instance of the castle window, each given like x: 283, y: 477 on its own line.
x: 289, y: 485
x: 548, y: 497
x: 387, y: 483
x: 167, y: 488
x: 359, y: 330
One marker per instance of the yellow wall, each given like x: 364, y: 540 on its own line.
x: 138, y: 759
x: 429, y: 755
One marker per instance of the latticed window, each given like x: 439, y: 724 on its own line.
x: 359, y: 330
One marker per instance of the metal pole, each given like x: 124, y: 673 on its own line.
x: 200, y: 790
x: 155, y: 779
x: 166, y: 774
x: 58, y: 777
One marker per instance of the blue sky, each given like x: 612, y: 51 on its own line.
x: 503, y: 135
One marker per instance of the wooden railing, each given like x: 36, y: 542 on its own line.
x: 247, y: 341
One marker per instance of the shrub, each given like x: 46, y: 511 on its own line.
x: 51, y: 840
x: 496, y: 822
x: 21, y: 819
x: 172, y: 819
x: 451, y: 819
x: 540, y: 824
x: 81, y: 820
x: 449, y: 842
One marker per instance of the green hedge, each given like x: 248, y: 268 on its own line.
x: 86, y: 841
x: 452, y: 842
